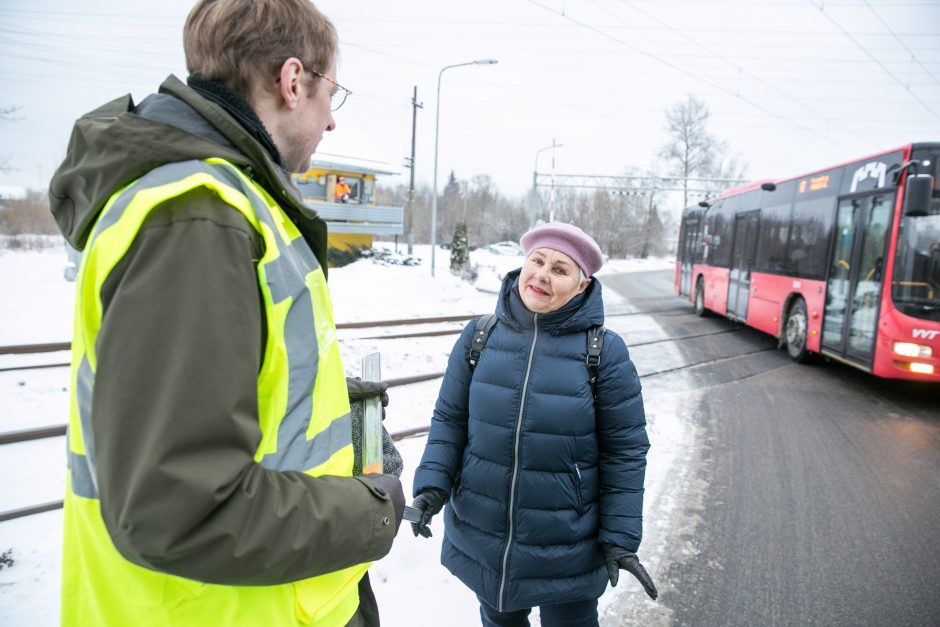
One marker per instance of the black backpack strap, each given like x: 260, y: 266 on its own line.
x: 482, y: 333
x: 595, y: 344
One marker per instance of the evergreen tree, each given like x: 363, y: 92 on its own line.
x: 459, y: 249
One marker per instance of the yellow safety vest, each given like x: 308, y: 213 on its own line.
x: 297, y: 396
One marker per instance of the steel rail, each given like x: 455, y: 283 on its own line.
x: 55, y: 431
x: 53, y: 505
x: 51, y: 347
x: 26, y: 435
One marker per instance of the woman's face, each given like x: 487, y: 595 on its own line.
x: 549, y: 279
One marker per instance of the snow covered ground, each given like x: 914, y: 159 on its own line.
x: 37, y: 307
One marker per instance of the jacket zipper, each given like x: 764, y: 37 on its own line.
x: 515, y: 468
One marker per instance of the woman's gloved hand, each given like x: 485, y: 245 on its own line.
x: 618, y: 558
x: 429, y: 502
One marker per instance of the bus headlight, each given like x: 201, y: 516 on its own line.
x: 909, y: 349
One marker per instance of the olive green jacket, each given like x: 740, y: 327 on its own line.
x: 182, y: 340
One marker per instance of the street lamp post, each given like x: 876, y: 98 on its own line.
x: 437, y: 124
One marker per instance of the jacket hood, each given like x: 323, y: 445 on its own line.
x: 119, y: 142
x: 582, y: 312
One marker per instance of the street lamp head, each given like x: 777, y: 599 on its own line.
x: 485, y: 62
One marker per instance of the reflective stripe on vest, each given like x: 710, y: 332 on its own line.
x: 305, y: 424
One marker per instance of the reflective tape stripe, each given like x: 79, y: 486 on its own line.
x: 82, y: 476
x: 302, y: 454
x: 83, y: 469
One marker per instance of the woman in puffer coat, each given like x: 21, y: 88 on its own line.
x: 544, y: 482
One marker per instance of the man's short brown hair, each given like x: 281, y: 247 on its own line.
x: 239, y: 42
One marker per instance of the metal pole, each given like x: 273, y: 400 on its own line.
x: 535, y: 174
x: 437, y: 125
x: 551, y: 194
x: 411, y: 188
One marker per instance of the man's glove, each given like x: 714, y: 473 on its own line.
x: 391, y: 485
x: 359, y: 390
x: 429, y: 502
x: 618, y: 558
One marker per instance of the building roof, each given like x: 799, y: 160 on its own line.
x: 350, y: 166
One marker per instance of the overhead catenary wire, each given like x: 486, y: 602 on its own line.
x: 877, y: 61
x: 691, y: 74
x: 901, y: 41
x: 788, y: 95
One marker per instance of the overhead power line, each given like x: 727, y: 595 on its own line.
x: 695, y: 76
x: 901, y: 41
x: 741, y: 70
x: 839, y: 26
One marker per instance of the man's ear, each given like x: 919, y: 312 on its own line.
x: 289, y: 81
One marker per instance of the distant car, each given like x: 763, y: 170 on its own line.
x: 511, y: 249
x: 74, y: 261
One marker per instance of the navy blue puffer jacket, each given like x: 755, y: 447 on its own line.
x: 538, y: 473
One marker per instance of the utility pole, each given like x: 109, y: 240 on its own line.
x: 409, y: 227
x: 551, y: 195
x: 644, y: 253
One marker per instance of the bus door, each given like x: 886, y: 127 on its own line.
x: 742, y: 258
x: 687, y: 254
x: 856, y: 275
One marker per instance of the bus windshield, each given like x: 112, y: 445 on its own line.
x: 916, y: 285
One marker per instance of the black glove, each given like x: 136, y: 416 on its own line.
x: 392, y: 486
x: 359, y: 390
x: 618, y: 558
x: 430, y: 502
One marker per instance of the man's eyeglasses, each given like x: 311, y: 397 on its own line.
x: 339, y: 96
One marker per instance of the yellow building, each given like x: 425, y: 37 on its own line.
x: 357, y: 219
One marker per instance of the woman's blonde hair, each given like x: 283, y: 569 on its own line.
x: 240, y: 42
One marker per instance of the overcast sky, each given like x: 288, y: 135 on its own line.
x: 792, y: 85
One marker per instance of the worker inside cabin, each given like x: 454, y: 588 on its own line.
x: 341, y: 190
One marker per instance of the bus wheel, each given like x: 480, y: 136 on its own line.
x: 796, y: 330
x: 700, y: 298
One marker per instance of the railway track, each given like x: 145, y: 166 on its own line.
x: 26, y: 435
x: 54, y: 347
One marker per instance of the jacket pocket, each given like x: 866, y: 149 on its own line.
x: 577, y: 489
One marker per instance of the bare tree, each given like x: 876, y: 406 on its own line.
x: 692, y: 150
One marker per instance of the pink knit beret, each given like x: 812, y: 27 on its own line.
x: 568, y: 239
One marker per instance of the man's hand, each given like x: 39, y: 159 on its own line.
x: 618, y: 558
x: 359, y: 390
x: 391, y: 485
x: 429, y: 502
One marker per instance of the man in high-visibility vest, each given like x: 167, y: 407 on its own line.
x: 210, y: 464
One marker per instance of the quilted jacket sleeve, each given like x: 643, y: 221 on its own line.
x: 448, y: 436
x: 621, y: 432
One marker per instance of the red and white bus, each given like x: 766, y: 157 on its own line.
x: 843, y: 262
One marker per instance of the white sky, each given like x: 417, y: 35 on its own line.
x: 793, y: 85
x: 411, y: 574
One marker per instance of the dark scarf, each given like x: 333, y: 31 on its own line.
x: 237, y: 107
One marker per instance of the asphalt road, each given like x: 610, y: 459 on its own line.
x: 818, y: 499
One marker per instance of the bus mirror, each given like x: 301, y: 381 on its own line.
x: 917, y: 193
